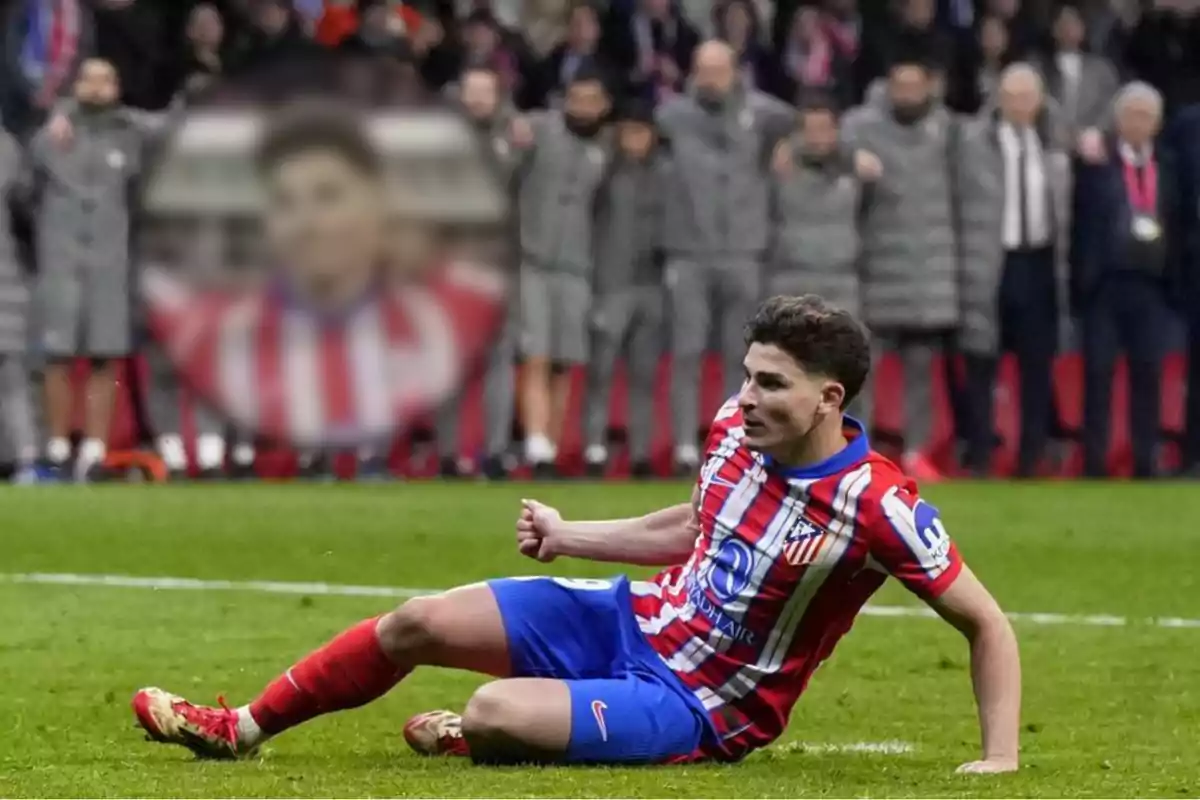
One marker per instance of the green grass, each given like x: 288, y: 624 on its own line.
x: 1109, y: 711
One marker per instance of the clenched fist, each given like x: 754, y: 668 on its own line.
x: 536, y: 528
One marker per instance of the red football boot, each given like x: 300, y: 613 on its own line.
x: 208, y: 732
x: 436, y: 733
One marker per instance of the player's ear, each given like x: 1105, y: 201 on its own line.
x: 833, y: 394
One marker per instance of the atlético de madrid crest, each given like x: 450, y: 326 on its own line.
x: 803, y: 543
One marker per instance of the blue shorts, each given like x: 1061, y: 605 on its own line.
x: 626, y: 705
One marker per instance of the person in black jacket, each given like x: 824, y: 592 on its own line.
x: 1128, y: 245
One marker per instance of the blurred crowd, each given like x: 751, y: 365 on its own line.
x: 974, y: 178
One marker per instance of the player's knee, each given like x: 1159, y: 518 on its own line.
x: 490, y: 714
x: 411, y: 630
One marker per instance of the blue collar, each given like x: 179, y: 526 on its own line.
x: 856, y: 450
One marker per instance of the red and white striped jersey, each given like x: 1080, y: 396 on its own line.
x: 294, y: 375
x: 784, y: 562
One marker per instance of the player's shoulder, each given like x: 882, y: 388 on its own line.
x: 889, y: 497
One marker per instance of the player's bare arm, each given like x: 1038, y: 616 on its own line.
x: 658, y: 539
x: 995, y: 669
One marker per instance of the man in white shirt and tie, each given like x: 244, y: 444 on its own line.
x: 1034, y: 222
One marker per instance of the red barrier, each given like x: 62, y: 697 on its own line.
x: 1068, y: 380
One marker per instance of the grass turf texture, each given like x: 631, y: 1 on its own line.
x: 1109, y: 711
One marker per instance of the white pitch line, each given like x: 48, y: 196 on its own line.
x: 349, y: 590
x: 892, y: 748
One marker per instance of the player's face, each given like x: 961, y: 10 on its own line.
x: 97, y: 83
x: 637, y: 139
x: 781, y: 402
x: 324, y: 223
x: 480, y: 94
x: 586, y: 101
x: 819, y: 131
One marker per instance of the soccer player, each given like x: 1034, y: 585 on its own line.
x: 793, y: 524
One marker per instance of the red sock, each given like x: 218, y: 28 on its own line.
x: 350, y: 671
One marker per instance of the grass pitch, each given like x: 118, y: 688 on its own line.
x: 1112, y: 691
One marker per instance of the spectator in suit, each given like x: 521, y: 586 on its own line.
x: 721, y: 136
x: 1016, y: 16
x: 1026, y: 159
x: 991, y: 54
x: 628, y: 314
x: 923, y: 283
x: 16, y: 412
x: 813, y: 58
x: 1128, y: 242
x: 1083, y: 84
x: 652, y: 47
x: 204, y: 60
x: 44, y: 42
x: 578, y: 50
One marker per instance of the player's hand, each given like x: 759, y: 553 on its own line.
x: 521, y: 133
x: 1091, y: 146
x: 988, y: 766
x: 60, y: 130
x: 535, y: 530
x: 867, y: 166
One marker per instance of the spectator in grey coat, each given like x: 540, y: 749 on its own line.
x: 1082, y: 83
x: 480, y: 96
x: 81, y: 182
x: 628, y: 310
x: 565, y: 159
x: 923, y: 286
x: 16, y: 414
x: 815, y: 204
x: 721, y: 138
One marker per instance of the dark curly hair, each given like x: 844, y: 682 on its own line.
x: 822, y: 338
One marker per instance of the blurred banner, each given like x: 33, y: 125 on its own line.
x: 322, y: 271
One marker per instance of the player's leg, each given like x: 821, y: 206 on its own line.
x: 572, y: 299
x: 58, y: 300
x: 536, y: 316
x: 690, y: 312
x: 627, y: 720
x: 609, y: 321
x: 645, y: 352
x: 107, y: 339
x: 461, y: 629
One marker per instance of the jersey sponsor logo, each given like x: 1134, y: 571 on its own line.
x: 713, y: 612
x: 932, y: 533
x: 729, y: 571
x: 920, y: 527
x: 803, y: 543
x: 598, y: 709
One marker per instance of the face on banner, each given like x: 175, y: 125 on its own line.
x: 323, y: 272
